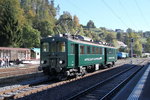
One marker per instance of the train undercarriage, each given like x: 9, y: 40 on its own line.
x: 74, y: 72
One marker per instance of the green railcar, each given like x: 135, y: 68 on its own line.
x: 68, y: 56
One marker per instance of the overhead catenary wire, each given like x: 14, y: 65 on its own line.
x: 114, y: 13
x: 127, y: 14
x: 77, y: 7
x: 86, y: 13
x: 142, y: 15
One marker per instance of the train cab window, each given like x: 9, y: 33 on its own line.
x: 45, y: 47
x: 93, y: 50
x: 61, y: 47
x: 53, y: 47
x: 72, y: 49
x: 82, y: 49
x: 97, y: 50
x: 88, y: 49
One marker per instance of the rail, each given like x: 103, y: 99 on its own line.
x: 85, y: 94
x: 92, y: 88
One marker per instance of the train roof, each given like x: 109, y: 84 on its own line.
x: 10, y: 48
x: 81, y: 39
x: 91, y: 43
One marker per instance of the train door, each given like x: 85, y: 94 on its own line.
x: 76, y: 55
x: 105, y: 55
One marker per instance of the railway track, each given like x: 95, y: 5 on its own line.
x: 22, y: 91
x: 106, y: 89
x: 100, y: 90
x: 17, y: 71
x: 18, y: 91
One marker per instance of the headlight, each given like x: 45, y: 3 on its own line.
x: 60, y: 62
x: 42, y: 62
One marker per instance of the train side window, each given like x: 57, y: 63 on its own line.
x: 97, y: 51
x: 113, y: 51
x: 45, y: 47
x: 82, y: 50
x: 109, y: 51
x: 72, y: 49
x: 88, y: 49
x: 61, y: 47
x: 100, y: 51
x: 93, y: 50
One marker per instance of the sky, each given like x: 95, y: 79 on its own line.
x: 111, y: 14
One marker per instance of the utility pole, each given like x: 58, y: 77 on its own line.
x: 132, y: 40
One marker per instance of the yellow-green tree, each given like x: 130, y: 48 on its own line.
x: 137, y: 44
x: 40, y: 14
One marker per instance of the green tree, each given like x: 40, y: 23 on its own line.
x: 45, y: 27
x: 109, y: 37
x: 90, y: 24
x: 31, y: 37
x: 65, y: 23
x: 11, y: 22
x: 120, y: 36
x: 129, y: 30
x: 137, y: 48
x: 137, y: 44
x: 147, y: 45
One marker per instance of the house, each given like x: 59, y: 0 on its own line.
x: 146, y: 55
x: 35, y: 53
x: 121, y: 44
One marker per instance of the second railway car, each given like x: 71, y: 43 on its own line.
x: 15, y: 53
x: 68, y: 56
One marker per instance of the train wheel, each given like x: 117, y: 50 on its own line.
x: 113, y: 63
x: 46, y: 71
x: 83, y: 72
x: 62, y: 77
x: 103, y: 66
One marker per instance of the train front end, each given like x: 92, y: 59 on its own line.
x: 53, y: 59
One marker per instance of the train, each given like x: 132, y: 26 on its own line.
x: 122, y: 55
x: 63, y: 56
